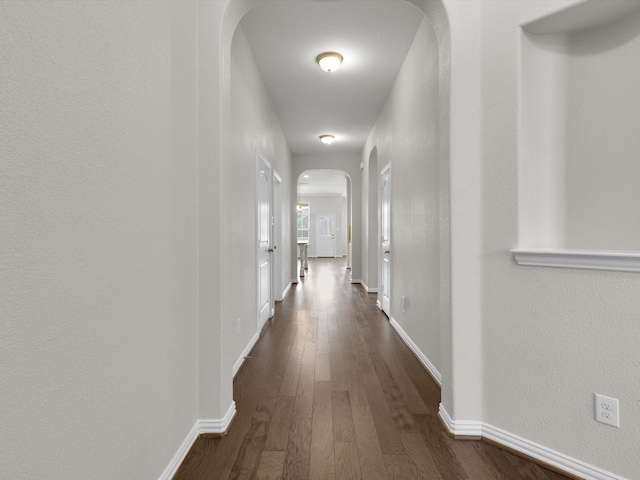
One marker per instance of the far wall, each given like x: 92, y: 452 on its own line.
x: 335, y: 204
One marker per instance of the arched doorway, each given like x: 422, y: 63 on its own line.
x: 233, y: 13
x: 324, y: 214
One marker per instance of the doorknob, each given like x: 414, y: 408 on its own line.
x: 386, y: 251
x: 272, y: 249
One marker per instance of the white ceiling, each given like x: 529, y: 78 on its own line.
x: 374, y: 37
x: 323, y: 182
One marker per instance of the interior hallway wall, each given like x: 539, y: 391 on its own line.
x: 370, y: 219
x: 406, y: 134
x: 552, y: 337
x: 255, y: 127
x: 99, y: 237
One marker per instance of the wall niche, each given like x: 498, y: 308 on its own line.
x: 579, y: 165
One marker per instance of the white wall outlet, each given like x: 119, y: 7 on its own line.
x: 238, y: 326
x: 607, y: 410
x: 403, y: 303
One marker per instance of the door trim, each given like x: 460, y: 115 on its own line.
x: 261, y: 158
x: 380, y: 302
x: 277, y: 267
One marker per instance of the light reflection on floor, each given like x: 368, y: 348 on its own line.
x: 326, y: 277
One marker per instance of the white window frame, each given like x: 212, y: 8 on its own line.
x: 303, y: 206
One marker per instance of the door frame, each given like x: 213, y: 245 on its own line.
x: 379, y: 303
x: 277, y: 267
x: 262, y: 158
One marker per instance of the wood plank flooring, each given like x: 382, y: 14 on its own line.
x: 331, y: 392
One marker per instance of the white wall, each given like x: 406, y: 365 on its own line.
x: 99, y: 237
x: 335, y: 204
x: 551, y: 337
x: 370, y: 219
x: 524, y: 348
x: 254, y: 127
x: 111, y: 216
x: 406, y: 134
x: 214, y: 49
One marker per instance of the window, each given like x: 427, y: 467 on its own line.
x: 303, y: 222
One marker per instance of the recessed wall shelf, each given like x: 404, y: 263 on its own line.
x: 578, y: 163
x: 586, y: 259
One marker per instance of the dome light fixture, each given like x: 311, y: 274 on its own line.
x: 329, y: 61
x: 326, y: 139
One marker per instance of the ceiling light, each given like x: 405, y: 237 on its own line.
x: 329, y: 61
x: 326, y: 139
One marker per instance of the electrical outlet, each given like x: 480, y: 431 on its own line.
x: 607, y: 410
x: 403, y: 303
x: 238, y: 326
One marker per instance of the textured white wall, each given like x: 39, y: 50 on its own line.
x: 98, y: 237
x: 551, y: 337
x: 214, y: 49
x: 528, y: 346
x: 406, y: 134
x: 370, y: 217
x: 254, y: 127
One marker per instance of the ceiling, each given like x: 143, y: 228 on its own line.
x: 373, y: 36
x: 323, y: 182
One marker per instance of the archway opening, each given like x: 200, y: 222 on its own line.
x: 324, y: 215
x: 435, y: 12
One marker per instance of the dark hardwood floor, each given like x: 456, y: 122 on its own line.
x: 331, y: 392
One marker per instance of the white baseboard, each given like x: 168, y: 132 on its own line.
x: 286, y: 290
x: 217, y: 426
x: 245, y: 352
x: 531, y: 449
x: 356, y: 280
x: 462, y: 428
x: 201, y: 426
x: 181, y: 454
x: 367, y: 289
x: 426, y: 363
x: 378, y: 304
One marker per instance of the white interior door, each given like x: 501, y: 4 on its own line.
x: 264, y: 228
x: 385, y: 239
x: 326, y: 235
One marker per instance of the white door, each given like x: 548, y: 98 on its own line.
x: 264, y: 228
x: 326, y: 236
x: 385, y: 237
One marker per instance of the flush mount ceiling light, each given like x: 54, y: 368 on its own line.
x: 326, y: 139
x: 329, y: 61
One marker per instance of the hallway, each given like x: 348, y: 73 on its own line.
x: 331, y: 391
